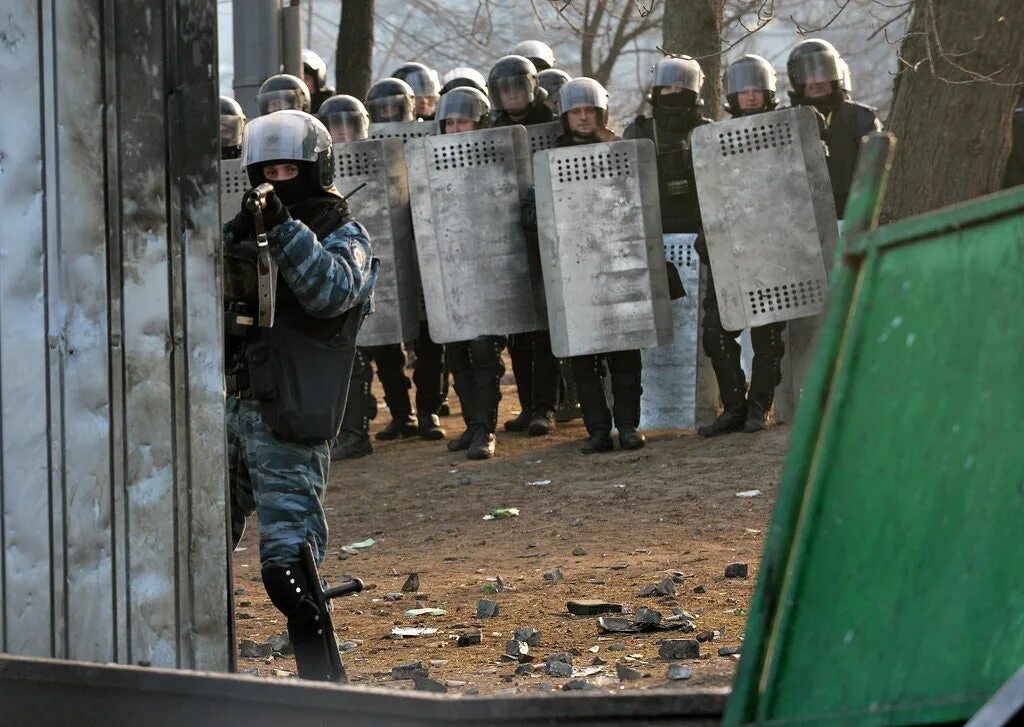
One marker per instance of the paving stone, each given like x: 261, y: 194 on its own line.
x: 579, y: 551
x: 678, y: 672
x: 525, y: 669
x: 617, y: 646
x: 412, y: 583
x: 253, y: 650
x: 555, y: 574
x: 647, y: 616
x: 470, y: 638
x: 528, y: 634
x: 517, y: 649
x: 679, y: 649
x: 486, y: 609
x: 709, y: 635
x: 736, y: 570
x: 281, y: 643
x: 408, y: 670
x: 426, y: 684
x: 558, y: 669
x: 580, y: 685
x: 592, y: 607
x: 627, y: 673
x: 728, y: 650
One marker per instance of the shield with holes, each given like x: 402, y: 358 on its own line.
x: 404, y: 130
x: 477, y: 273
x: 769, y: 218
x: 543, y: 136
x: 672, y: 395
x: 599, y: 224
x: 233, y: 184
x: 382, y: 206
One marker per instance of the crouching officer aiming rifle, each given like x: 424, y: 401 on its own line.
x: 299, y: 278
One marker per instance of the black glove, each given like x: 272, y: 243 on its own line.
x: 274, y: 213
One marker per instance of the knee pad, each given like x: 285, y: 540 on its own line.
x: 289, y: 590
x: 485, y: 352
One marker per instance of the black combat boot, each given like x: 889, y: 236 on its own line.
x: 626, y: 391
x: 596, y: 417
x: 402, y: 426
x: 463, y: 383
x: 732, y: 386
x: 764, y: 377
x: 487, y: 394
x: 430, y: 427
x: 541, y: 423
x: 353, y: 439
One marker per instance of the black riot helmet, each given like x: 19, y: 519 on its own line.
x: 345, y: 118
x: 539, y: 53
x: 683, y: 74
x: 391, y: 99
x: 425, y: 85
x: 232, y: 121
x: 292, y: 137
x: 745, y: 73
x: 282, y: 91
x: 463, y: 76
x: 466, y: 103
x: 512, y: 84
x: 815, y: 61
x: 314, y: 67
x: 583, y: 93
x: 552, y: 80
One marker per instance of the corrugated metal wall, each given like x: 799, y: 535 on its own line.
x: 112, y: 475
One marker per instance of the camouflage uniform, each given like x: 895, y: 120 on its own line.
x: 284, y: 481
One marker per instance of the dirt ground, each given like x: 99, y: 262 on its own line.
x: 669, y: 510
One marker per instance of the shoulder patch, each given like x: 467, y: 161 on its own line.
x: 358, y: 254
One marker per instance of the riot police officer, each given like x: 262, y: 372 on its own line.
x: 539, y: 53
x: 816, y: 73
x: 676, y: 102
x: 391, y: 100
x: 512, y: 86
x: 464, y: 76
x: 345, y: 118
x: 476, y: 366
x: 584, y: 104
x: 314, y: 73
x: 426, y: 88
x: 232, y: 121
x: 749, y: 85
x: 552, y: 80
x: 284, y: 404
x: 282, y: 91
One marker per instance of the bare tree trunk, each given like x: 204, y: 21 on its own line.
x: 354, y: 68
x: 694, y: 28
x: 954, y: 103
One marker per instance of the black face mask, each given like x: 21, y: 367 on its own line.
x: 675, y: 112
x: 293, y: 191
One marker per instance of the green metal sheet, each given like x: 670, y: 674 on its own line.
x: 890, y: 590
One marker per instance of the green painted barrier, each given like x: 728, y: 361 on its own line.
x: 891, y: 590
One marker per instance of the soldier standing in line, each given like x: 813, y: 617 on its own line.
x: 314, y: 73
x: 282, y: 91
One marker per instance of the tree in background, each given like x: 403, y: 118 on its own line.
x: 962, y: 69
x: 694, y: 28
x: 354, y: 55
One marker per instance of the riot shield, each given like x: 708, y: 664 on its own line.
x: 404, y: 130
x: 601, y: 248
x: 466, y: 190
x: 672, y: 393
x: 382, y: 206
x: 769, y: 218
x: 543, y: 136
x: 233, y: 184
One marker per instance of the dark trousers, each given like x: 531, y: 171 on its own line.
x: 538, y: 373
x: 428, y: 375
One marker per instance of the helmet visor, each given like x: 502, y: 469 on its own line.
x: 551, y: 81
x: 346, y: 126
x: 423, y: 83
x: 577, y: 94
x: 512, y: 93
x: 743, y: 76
x: 455, y: 105
x: 231, y: 130
x: 270, y: 101
x: 283, y: 136
x: 679, y: 72
x: 390, y: 108
x: 818, y: 67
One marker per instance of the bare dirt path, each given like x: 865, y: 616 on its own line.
x: 639, y: 517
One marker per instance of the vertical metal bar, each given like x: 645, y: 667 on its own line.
x: 291, y: 39
x: 49, y: 71
x: 256, y: 26
x: 120, y: 592
x: 23, y: 356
